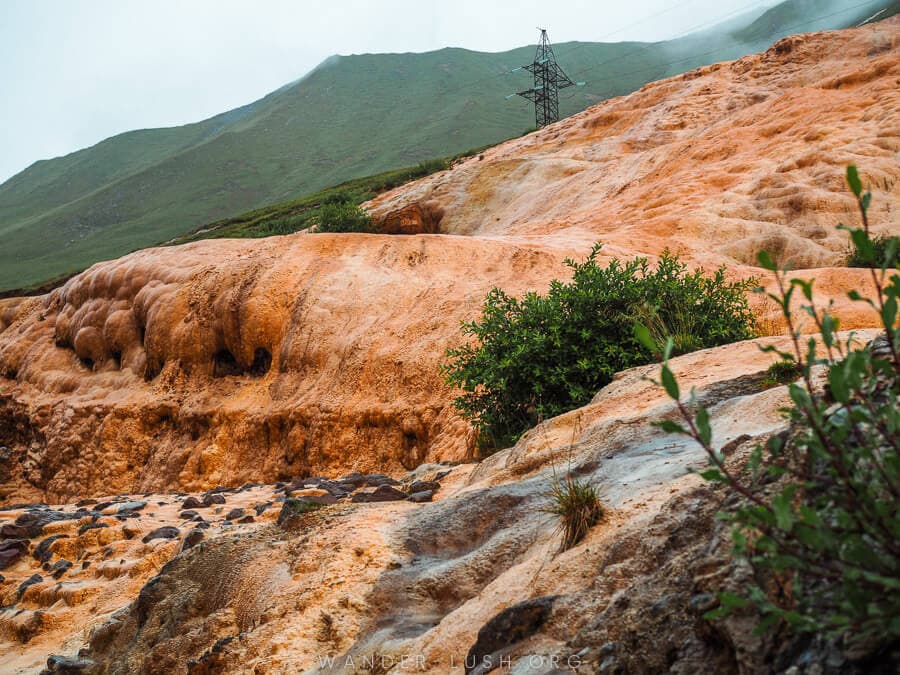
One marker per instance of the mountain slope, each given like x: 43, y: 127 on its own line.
x: 350, y: 117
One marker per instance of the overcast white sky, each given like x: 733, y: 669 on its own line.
x: 75, y: 72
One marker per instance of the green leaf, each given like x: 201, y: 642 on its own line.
x: 853, y: 180
x: 670, y: 384
x: 703, y: 428
x: 781, y: 506
x: 642, y: 333
x: 838, y: 384
x: 671, y: 427
x: 765, y: 261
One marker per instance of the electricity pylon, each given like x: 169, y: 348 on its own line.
x: 549, y: 78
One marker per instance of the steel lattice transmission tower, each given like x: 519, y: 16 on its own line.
x: 549, y: 78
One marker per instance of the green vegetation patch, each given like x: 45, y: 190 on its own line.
x: 535, y: 357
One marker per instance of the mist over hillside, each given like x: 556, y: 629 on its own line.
x: 349, y: 117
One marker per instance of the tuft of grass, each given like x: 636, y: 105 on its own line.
x: 784, y: 371
x: 578, y: 507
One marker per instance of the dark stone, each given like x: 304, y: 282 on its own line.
x: 129, y: 508
x: 333, y: 488
x: 200, y: 524
x: 423, y: 485
x: 10, y: 531
x: 193, y: 538
x: 102, y: 505
x: 184, y: 515
x: 211, y: 498
x: 383, y: 493
x: 234, y: 514
x: 379, y: 479
x: 42, y: 552
x: 355, y: 480
x: 85, y: 502
x: 59, y: 568
x: 294, y: 508
x: 509, y: 627
x: 703, y: 602
x: 11, y: 550
x: 165, y: 532
x: 91, y: 526
x: 247, y: 519
x: 63, y: 665
x: 260, y: 508
x: 421, y: 497
x: 441, y: 474
x: 191, y: 503
x: 30, y: 581
x: 32, y: 522
x: 30, y: 627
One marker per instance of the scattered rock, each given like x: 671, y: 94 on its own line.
x: 383, y: 493
x: 379, y: 479
x: 421, y: 497
x: 91, y: 526
x: 30, y: 525
x: 127, y: 508
x: 165, y: 532
x: 423, y: 485
x: 185, y: 515
x: 260, y: 508
x: 234, y: 514
x: 294, y: 508
x: 191, y: 503
x: 510, y: 626
x: 30, y: 581
x: 42, y: 552
x: 64, y: 665
x: 86, y: 502
x: 211, y: 498
x: 355, y: 479
x: 30, y: 627
x: 193, y: 538
x: 11, y: 550
x: 59, y: 568
x: 247, y: 519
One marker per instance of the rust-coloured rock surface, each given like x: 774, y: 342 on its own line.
x: 230, y: 362
x: 220, y: 362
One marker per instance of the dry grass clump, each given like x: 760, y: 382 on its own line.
x: 578, y: 507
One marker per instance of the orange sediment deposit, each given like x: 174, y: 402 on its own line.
x: 160, y: 376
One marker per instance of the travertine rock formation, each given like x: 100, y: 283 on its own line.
x: 228, y: 361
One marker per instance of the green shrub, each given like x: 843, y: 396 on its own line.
x: 818, y: 516
x: 883, y: 247
x: 578, y: 507
x: 538, y: 356
x: 343, y: 217
x: 283, y: 225
x: 431, y: 166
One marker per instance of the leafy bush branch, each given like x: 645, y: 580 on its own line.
x: 820, y: 504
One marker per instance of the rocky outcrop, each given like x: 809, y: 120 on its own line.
x: 222, y: 362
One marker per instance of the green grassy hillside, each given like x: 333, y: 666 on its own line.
x: 353, y: 116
